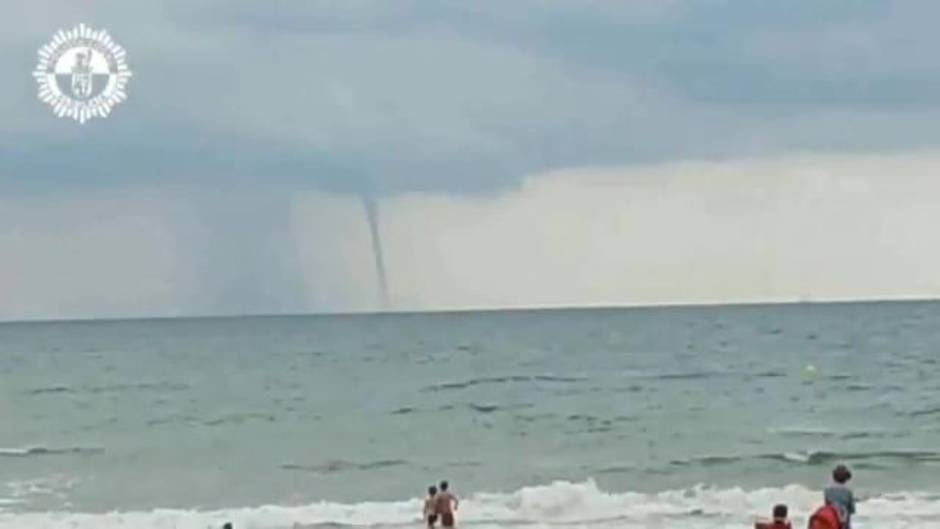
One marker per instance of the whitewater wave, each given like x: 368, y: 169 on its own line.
x: 21, y: 492
x: 558, y: 504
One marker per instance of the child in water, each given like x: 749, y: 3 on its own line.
x: 840, y: 496
x: 779, y: 521
x: 430, y: 512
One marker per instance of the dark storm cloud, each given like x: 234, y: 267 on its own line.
x: 471, y: 96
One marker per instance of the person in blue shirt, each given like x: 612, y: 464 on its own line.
x: 840, y: 496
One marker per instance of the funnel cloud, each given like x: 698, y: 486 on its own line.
x: 200, y: 196
x: 372, y: 216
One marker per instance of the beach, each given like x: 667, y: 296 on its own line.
x: 682, y: 417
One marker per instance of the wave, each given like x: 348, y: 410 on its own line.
x: 667, y: 376
x: 924, y: 412
x: 810, y: 431
x: 485, y: 408
x: 44, y: 451
x: 444, y: 386
x: 904, y: 455
x: 231, y: 418
x: 687, y: 375
x: 817, y: 457
x: 21, y: 492
x: 705, y: 375
x: 50, y: 390
x: 803, y: 431
x: 491, y: 407
x: 111, y: 388
x: 559, y: 504
x: 332, y: 467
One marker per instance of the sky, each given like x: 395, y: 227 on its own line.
x: 291, y: 156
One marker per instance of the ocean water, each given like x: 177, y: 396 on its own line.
x: 699, y: 417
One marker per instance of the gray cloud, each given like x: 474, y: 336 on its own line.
x: 239, y: 104
x: 465, y: 97
x: 242, y: 253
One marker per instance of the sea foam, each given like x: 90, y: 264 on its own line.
x: 560, y: 504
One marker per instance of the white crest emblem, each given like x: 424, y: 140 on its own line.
x: 82, y: 73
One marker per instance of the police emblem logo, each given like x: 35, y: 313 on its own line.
x: 82, y: 73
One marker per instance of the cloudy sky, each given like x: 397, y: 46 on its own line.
x: 294, y: 155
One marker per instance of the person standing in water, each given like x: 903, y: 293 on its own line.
x: 840, y: 496
x: 430, y: 510
x: 779, y: 520
x: 445, y: 503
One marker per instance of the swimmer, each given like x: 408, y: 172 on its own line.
x: 445, y: 503
x: 779, y: 520
x: 430, y: 510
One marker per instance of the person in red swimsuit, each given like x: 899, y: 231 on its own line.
x: 445, y: 503
x: 779, y: 521
x: 825, y: 517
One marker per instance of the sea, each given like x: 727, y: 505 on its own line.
x: 671, y: 417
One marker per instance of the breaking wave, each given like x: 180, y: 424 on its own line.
x: 560, y: 504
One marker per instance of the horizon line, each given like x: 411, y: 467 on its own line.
x: 485, y: 309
